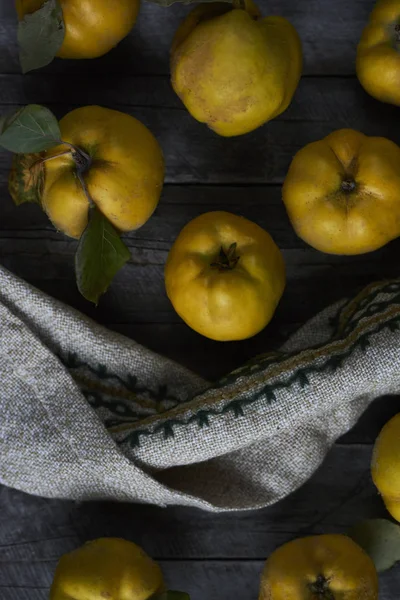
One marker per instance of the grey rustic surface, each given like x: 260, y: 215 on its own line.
x: 215, y: 557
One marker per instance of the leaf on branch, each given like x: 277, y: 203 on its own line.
x: 27, y: 177
x: 40, y: 36
x: 32, y: 128
x: 380, y: 539
x: 100, y: 255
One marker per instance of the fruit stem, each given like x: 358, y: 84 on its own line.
x: 44, y: 160
x: 226, y: 259
x: 82, y: 159
x: 320, y: 588
x: 348, y: 185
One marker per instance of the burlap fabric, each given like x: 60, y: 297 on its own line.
x: 88, y: 414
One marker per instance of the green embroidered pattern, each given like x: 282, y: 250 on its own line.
x: 72, y: 362
x: 130, y: 401
x: 374, y: 312
x: 261, y: 363
x: 121, y: 407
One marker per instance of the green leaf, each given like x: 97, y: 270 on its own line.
x: 100, y: 255
x: 40, y: 36
x: 26, y: 179
x: 380, y: 539
x: 32, y: 128
x: 170, y: 595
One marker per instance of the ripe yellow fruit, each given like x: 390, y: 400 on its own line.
x: 124, y: 179
x: 378, y: 53
x: 225, y: 276
x: 322, y: 567
x: 385, y: 467
x: 106, y: 568
x: 342, y: 193
x: 233, y: 69
x: 92, y: 27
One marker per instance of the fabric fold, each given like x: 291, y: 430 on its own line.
x: 89, y: 414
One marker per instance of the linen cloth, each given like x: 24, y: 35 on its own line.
x: 86, y: 413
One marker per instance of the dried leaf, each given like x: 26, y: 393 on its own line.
x: 26, y: 179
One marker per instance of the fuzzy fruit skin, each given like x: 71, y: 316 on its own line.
x: 230, y: 304
x: 125, y: 178
x: 106, y: 568
x: 336, y: 221
x: 378, y: 53
x: 92, y: 27
x: 232, y: 69
x: 321, y: 567
x: 385, y: 466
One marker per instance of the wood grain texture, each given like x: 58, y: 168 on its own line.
x: 219, y: 557
x: 212, y: 556
x: 329, y: 33
x: 193, y: 153
x: 136, y: 303
x: 137, y: 294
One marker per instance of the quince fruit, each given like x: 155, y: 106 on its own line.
x: 92, y: 27
x: 321, y: 567
x: 124, y: 173
x: 225, y: 276
x: 342, y: 193
x: 385, y: 467
x: 378, y: 53
x: 233, y: 69
x: 107, y: 568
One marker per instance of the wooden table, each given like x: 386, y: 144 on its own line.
x: 216, y: 557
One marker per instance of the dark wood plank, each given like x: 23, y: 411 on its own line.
x: 25, y: 250
x: 136, y: 303
x: 329, y: 32
x: 193, y: 153
x: 205, y: 357
x: 215, y: 556
x: 372, y: 421
x: 137, y: 294
x: 178, y: 205
x: 208, y: 555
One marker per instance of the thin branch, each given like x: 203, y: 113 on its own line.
x: 77, y: 150
x: 44, y: 160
